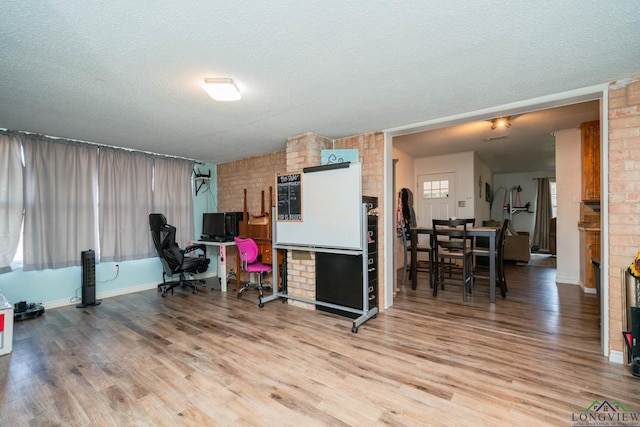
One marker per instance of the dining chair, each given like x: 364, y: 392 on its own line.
x: 470, y: 222
x: 501, y: 280
x: 452, y: 245
x: 410, y: 240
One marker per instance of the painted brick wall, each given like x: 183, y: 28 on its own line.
x: 624, y: 195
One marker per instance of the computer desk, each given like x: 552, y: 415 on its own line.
x: 222, y: 260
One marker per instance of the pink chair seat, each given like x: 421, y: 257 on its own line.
x: 258, y: 267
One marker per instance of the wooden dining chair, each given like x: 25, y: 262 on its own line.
x: 501, y: 280
x: 409, y: 240
x: 452, y: 245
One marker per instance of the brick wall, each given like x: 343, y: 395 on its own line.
x: 624, y: 195
x: 305, y: 150
x: 256, y: 174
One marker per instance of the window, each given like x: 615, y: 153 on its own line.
x: 436, y: 189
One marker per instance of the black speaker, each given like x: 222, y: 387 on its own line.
x: 88, y: 259
x: 232, y: 224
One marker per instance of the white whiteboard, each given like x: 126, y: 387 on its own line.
x: 331, y: 211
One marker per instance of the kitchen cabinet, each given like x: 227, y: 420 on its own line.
x: 590, y: 249
x: 590, y: 132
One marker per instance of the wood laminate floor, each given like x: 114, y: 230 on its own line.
x: 212, y: 359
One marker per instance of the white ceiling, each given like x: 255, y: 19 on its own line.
x: 528, y: 145
x: 128, y: 73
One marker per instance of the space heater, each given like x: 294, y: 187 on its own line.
x: 88, y: 259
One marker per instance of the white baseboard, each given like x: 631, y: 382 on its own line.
x: 616, y: 357
x: 567, y: 281
x: 100, y: 295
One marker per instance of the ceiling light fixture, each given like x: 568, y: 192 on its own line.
x: 221, y: 89
x: 500, y: 122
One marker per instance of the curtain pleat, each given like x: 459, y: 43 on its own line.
x: 125, y: 201
x: 59, y: 193
x: 11, y: 196
x: 172, y: 196
x: 543, y: 214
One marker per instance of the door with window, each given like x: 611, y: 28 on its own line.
x: 436, y: 197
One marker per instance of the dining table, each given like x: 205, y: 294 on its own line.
x: 491, y: 233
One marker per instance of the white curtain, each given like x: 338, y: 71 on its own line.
x: 59, y: 202
x: 172, y: 195
x: 11, y: 205
x: 543, y: 214
x: 125, y: 196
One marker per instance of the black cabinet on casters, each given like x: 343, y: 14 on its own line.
x: 339, y: 276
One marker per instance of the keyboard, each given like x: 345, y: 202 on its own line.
x: 215, y: 239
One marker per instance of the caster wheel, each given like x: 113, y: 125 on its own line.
x: 284, y: 300
x: 260, y: 304
x: 164, y: 295
x: 239, y: 294
x: 374, y: 316
x: 354, y: 330
x: 195, y: 291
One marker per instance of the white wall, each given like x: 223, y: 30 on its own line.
x: 522, y: 221
x: 482, y: 175
x: 405, y: 178
x: 568, y: 188
x: 462, y: 165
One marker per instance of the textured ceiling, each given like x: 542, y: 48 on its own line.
x: 527, y: 145
x: 128, y: 73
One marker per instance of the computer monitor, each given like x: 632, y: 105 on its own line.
x: 232, y: 224
x: 213, y: 224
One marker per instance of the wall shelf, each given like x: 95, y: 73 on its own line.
x: 515, y: 209
x: 200, y: 179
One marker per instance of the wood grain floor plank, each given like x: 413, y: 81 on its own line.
x: 213, y: 359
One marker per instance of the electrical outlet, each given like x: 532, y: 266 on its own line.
x: 116, y: 267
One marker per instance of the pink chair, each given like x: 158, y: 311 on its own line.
x: 248, y: 252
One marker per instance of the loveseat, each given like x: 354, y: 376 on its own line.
x: 517, y: 247
x: 517, y: 244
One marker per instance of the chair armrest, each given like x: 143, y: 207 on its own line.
x: 195, y: 247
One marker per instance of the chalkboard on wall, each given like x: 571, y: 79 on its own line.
x: 289, y: 191
x: 332, y: 207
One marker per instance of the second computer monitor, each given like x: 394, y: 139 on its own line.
x: 232, y: 224
x: 213, y: 224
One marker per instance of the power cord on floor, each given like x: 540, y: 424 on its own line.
x: 76, y: 297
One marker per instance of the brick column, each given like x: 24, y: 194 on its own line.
x: 624, y: 195
x: 305, y: 150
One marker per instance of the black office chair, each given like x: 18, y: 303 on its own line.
x: 174, y: 259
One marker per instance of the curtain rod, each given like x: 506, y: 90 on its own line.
x: 100, y: 145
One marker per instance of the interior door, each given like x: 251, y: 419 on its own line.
x: 435, y: 197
